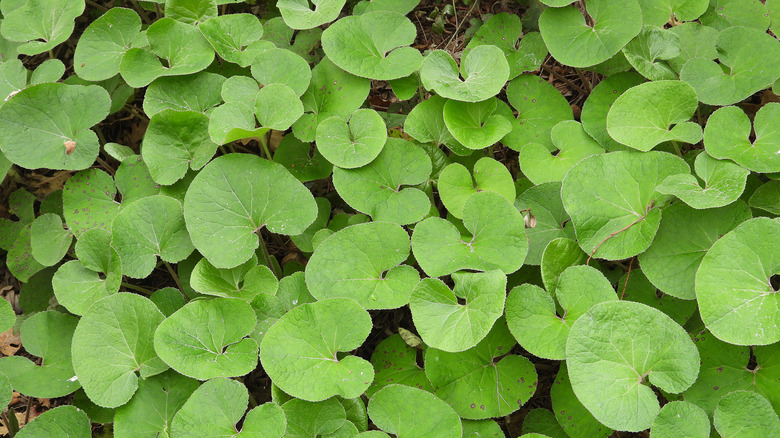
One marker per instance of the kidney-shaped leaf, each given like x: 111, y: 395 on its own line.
x: 650, y: 49
x: 456, y: 184
x: 614, y: 347
x: 503, y: 31
x: 477, y: 125
x: 40, y: 25
x: 412, y: 412
x: 300, y: 351
x: 724, y: 183
x: 540, y: 166
x: 484, y: 71
x: 395, y: 362
x: 737, y: 302
x: 104, y: 42
x: 205, y: 339
x: 256, y: 193
x: 353, y: 143
x: 728, y: 132
x: 232, y: 37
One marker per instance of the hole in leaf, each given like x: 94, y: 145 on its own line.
x: 752, y: 362
x: 774, y: 282
x: 461, y: 301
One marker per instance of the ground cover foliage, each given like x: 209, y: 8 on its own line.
x: 406, y: 218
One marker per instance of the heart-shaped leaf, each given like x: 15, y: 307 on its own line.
x: 48, y: 239
x: 354, y: 142
x: 497, y: 240
x: 377, y: 189
x: 48, y: 125
x: 456, y: 184
x: 396, y: 409
x: 477, y: 385
x: 277, y: 32
x: 503, y: 30
x: 575, y: 421
x: 728, y: 132
x: 104, y: 42
x: 652, y: 113
x: 52, y: 423
x: 298, y: 14
x: 425, y: 123
x: 657, y: 12
x: 300, y: 351
x: 724, y: 183
x: 40, y: 25
x: 599, y: 102
x: 235, y: 37
x: 619, y: 218
x: 113, y: 341
x: 477, y: 125
x: 573, y: 145
x: 745, y: 414
x: 649, y: 50
x: 270, y: 198
x: 373, y: 45
x: 737, y: 302
x: 531, y: 311
x: 197, y: 92
x: 749, y: 62
x: 206, y: 339
x: 722, y: 14
x: 696, y: 41
x: 244, y: 281
x: 277, y: 107
x: 610, y: 354
x: 484, y: 70
x: 576, y: 42
x: 395, y: 362
x: 363, y: 262
x: 446, y: 324
x: 680, y: 417
x: 540, y: 106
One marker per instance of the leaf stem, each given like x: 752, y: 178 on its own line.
x: 136, y: 288
x: 176, y: 279
x: 628, y: 275
x: 267, y: 257
x: 676, y: 148
x: 561, y: 77
x: 10, y: 422
x: 264, y: 145
x: 587, y: 262
x: 97, y: 5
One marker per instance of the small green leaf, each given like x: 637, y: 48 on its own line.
x: 104, y: 42
x: 354, y: 142
x: 696, y: 41
x: 168, y: 300
x: 197, y: 92
x: 540, y: 422
x: 277, y: 107
x: 574, y: 419
x: 69, y: 419
x: 745, y: 414
x: 728, y: 135
x: 88, y: 201
x: 482, y: 428
x: 446, y: 324
x: 497, y: 239
x: 540, y: 106
x: 477, y: 125
x: 456, y: 184
x: 278, y: 66
x: 49, y: 240
x: 395, y: 362
x: 7, y: 316
x: 206, y: 339
x: 425, y: 123
x: 600, y: 100
x: 396, y: 409
x: 244, y: 281
x: 298, y: 13
x: 573, y: 144
x: 363, y: 262
x: 484, y: 70
x: 48, y: 125
x: 503, y: 31
x: 373, y: 45
x: 113, y: 341
x: 300, y: 351
x: 277, y: 32
x: 613, y: 348
x: 477, y: 385
x: 680, y: 418
x: 46, y: 335
x: 234, y: 121
x: 40, y: 25
x: 726, y: 13
x: 649, y: 50
x: 724, y: 182
x: 257, y: 192
x: 654, y: 112
x: 737, y: 302
x: 235, y: 37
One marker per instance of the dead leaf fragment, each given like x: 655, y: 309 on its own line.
x: 70, y: 146
x: 10, y: 343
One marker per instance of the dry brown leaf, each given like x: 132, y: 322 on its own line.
x: 10, y: 343
x: 19, y: 418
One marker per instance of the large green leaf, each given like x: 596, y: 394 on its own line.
x: 395, y: 362
x: 88, y: 201
x: 39, y: 24
x: 256, y: 193
x: 206, y: 339
x: 728, y: 135
x: 104, y: 42
x: 397, y: 409
x: 613, y: 348
x: 279, y: 66
x: 113, y: 342
x: 300, y: 351
x: 737, y: 302
x: 49, y: 240
x: 484, y: 70
x: 611, y: 200
x: 540, y: 106
x: 657, y: 12
x: 425, y: 123
x: 48, y: 125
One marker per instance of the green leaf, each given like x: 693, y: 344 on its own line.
x: 301, y: 161
x: 611, y: 200
x: 41, y: 123
x: 680, y: 418
x: 444, y: 322
x: 168, y: 300
x: 206, y: 339
x: 531, y: 311
x: 767, y: 197
x: 497, y: 239
x: 503, y: 30
x: 235, y: 37
x: 6, y: 390
x: 728, y: 135
x: 574, y: 419
x: 278, y: 66
x: 97, y: 274
x: 395, y: 362
x: 696, y: 41
x: 377, y: 188
x: 654, y: 112
x: 724, y: 182
x: 271, y: 198
x: 113, y: 341
x: 50, y: 70
x: 373, y: 45
x: 235, y: 121
x: 477, y: 125
x: 484, y: 70
x: 36, y: 293
x: 363, y: 262
x: 425, y: 123
x: 540, y: 106
x: 153, y: 406
x: 306, y: 419
x: 476, y: 384
x: 736, y: 300
x: 300, y: 351
x: 305, y: 240
x: 91, y: 250
x: 277, y: 32
x: 63, y: 419
x: 181, y: 45
x: 148, y: 228
x: 648, y: 51
x: 244, y: 281
x: 456, y: 184
x: 482, y: 428
x: 88, y: 201
x: 227, y: 400
x: 723, y: 14
x: 600, y: 100
x: 41, y: 25
x: 277, y: 107
x: 354, y: 142
x: 49, y: 240
x: 197, y: 92
x: 749, y: 62
x: 104, y: 42
x: 402, y: 7
x: 397, y: 409
x: 574, y: 42
x: 191, y: 11
x: 745, y: 414
x: 613, y: 347
x: 298, y: 14
x: 636, y: 287
x: 176, y: 141
x: 7, y: 316
x: 46, y: 335
x: 572, y: 143
x: 20, y: 260
x: 657, y: 12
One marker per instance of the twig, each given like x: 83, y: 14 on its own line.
x: 136, y: 288
x: 561, y: 77
x: 136, y: 113
x: 584, y: 80
x: 457, y: 28
x: 97, y: 5
x: 141, y: 11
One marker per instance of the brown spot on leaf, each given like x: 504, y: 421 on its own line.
x: 70, y: 146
